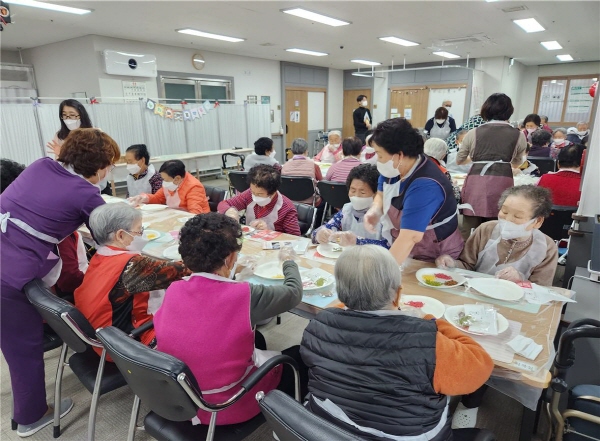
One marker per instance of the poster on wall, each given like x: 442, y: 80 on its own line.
x: 408, y: 113
x: 580, y: 100
x: 265, y: 100
x: 295, y: 116
x: 252, y: 99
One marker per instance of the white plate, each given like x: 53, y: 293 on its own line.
x: 430, y: 305
x: 497, y: 289
x: 311, y: 276
x: 172, y: 253
x: 327, y: 250
x: 453, y: 311
x: 432, y: 271
x: 246, y: 229
x: 269, y: 270
x: 151, y: 234
x: 152, y: 207
x: 112, y: 199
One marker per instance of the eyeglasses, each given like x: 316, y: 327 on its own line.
x: 71, y: 117
x: 137, y: 233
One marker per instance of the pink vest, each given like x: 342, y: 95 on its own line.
x: 205, y: 322
x: 300, y: 167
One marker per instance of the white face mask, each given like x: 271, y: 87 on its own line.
x: 531, y: 130
x: 558, y: 141
x: 360, y: 204
x: 582, y: 133
x: 509, y: 230
x: 440, y: 121
x: 72, y: 124
x: 448, y: 107
x: 272, y: 155
x: 102, y: 183
x: 171, y: 186
x: 137, y: 244
x: 261, y: 201
x: 364, y: 103
x: 133, y: 168
x: 387, y: 169
x: 334, y: 147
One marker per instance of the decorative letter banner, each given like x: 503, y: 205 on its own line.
x: 187, y: 115
x: 178, y: 115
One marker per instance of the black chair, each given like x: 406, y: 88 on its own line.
x: 556, y: 226
x: 167, y: 386
x: 298, y: 188
x: 293, y: 422
x: 238, y: 180
x: 335, y: 195
x: 215, y: 195
x: 306, y: 218
x: 240, y: 160
x: 544, y: 163
x: 78, y: 335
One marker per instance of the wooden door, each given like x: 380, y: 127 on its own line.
x: 296, y: 114
x: 412, y: 101
x: 349, y: 105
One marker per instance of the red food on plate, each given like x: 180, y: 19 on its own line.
x: 442, y: 276
x: 415, y: 304
x: 245, y: 229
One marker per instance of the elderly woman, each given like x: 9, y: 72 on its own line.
x: 540, y: 144
x: 117, y: 284
x: 46, y: 203
x: 264, y: 153
x: 266, y: 208
x: 208, y: 320
x: 565, y: 184
x: 559, y: 141
x: 332, y: 151
x: 302, y: 165
x: 436, y: 150
x: 351, y: 148
x: 579, y: 134
x: 531, y: 123
x: 142, y: 177
x: 415, y: 201
x: 347, y: 226
x: 380, y: 372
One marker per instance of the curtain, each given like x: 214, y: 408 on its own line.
x: 19, y: 132
x: 233, y: 128
x: 123, y: 122
x: 203, y: 133
x: 589, y: 205
x: 165, y: 136
x: 259, y: 122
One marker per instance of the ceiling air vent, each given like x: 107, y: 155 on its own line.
x: 267, y: 44
x: 515, y: 9
x: 477, y: 38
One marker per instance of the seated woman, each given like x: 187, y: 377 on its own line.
x: 527, y: 167
x: 264, y: 153
x: 436, y: 149
x: 302, y: 165
x: 332, y: 151
x: 351, y: 148
x: 266, y: 208
x: 559, y: 141
x: 115, y: 289
x: 368, y: 154
x: 379, y: 372
x: 540, y: 143
x: 179, y: 190
x: 208, y: 320
x: 565, y: 184
x: 142, y: 177
x: 451, y: 164
x: 346, y: 227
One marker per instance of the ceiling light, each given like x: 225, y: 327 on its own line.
x: 446, y: 54
x: 565, y: 57
x: 198, y: 60
x: 553, y: 81
x: 307, y: 52
x: 313, y: 16
x: 529, y: 25
x: 551, y: 45
x: 367, y: 62
x: 50, y: 6
x: 209, y: 35
x: 399, y: 41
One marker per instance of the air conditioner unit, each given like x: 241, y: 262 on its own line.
x: 129, y: 64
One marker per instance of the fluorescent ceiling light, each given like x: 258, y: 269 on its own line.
x: 198, y: 60
x: 313, y: 16
x: 446, y: 54
x: 399, y: 41
x: 367, y: 62
x: 307, y: 52
x: 529, y: 25
x: 551, y: 45
x: 209, y: 35
x: 127, y: 54
x: 50, y: 6
x: 565, y: 57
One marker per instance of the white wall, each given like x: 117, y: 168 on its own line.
x: 335, y: 99
x: 380, y: 99
x: 501, y: 77
x: 10, y: 57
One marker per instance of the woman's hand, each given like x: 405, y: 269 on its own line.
x: 323, y: 235
x: 344, y: 238
x: 372, y: 218
x: 53, y: 147
x: 287, y: 253
x: 233, y: 213
x: 259, y: 224
x: 139, y: 199
x: 511, y: 274
x: 445, y: 261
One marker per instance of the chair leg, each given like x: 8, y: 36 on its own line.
x: 58, y: 388
x: 324, y: 213
x: 96, y: 397
x: 278, y: 319
x: 135, y: 411
x: 211, y: 427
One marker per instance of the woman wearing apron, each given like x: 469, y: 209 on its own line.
x: 415, y: 201
x: 266, y: 208
x: 35, y: 217
x: 511, y: 248
x: 142, y: 177
x: 492, y: 148
x: 441, y: 125
x: 347, y: 226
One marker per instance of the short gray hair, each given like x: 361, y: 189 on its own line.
x: 367, y: 278
x: 107, y: 219
x: 436, y: 148
x: 540, y: 198
x: 334, y: 132
x: 561, y: 130
x: 299, y: 146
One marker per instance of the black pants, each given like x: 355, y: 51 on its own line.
x: 473, y: 400
x: 361, y: 135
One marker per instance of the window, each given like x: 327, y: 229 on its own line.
x: 565, y: 100
x: 178, y: 89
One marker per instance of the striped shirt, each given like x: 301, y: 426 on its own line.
x: 339, y: 171
x: 287, y: 217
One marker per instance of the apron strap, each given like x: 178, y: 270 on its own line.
x: 449, y: 218
x: 5, y: 217
x: 487, y: 165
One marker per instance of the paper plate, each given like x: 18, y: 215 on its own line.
x: 329, y: 250
x: 112, y: 199
x: 246, y: 229
x: 497, y: 289
x: 429, y: 304
x: 172, y: 253
x: 453, y: 311
x: 152, y: 207
x: 316, y: 278
x: 430, y: 277
x: 151, y: 234
x: 270, y: 270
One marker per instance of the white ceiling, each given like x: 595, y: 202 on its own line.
x: 574, y: 24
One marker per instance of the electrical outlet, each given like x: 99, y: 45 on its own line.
x: 248, y: 72
x: 374, y: 106
x: 278, y: 107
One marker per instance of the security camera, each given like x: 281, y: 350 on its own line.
x: 341, y: 47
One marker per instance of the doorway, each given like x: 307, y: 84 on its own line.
x: 349, y: 105
x: 298, y: 113
x: 410, y: 103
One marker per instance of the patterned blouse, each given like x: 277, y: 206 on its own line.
x: 335, y: 223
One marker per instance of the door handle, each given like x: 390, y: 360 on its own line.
x: 286, y: 129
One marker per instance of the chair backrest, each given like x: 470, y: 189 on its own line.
x: 306, y: 217
x: 544, y: 164
x: 334, y: 193
x: 151, y: 375
x: 215, y: 195
x: 239, y: 180
x: 297, y: 188
x: 240, y: 160
x: 556, y: 226
x: 292, y: 422
x: 62, y: 316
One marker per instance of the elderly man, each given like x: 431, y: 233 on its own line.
x: 115, y: 289
x: 380, y: 372
x: 332, y: 152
